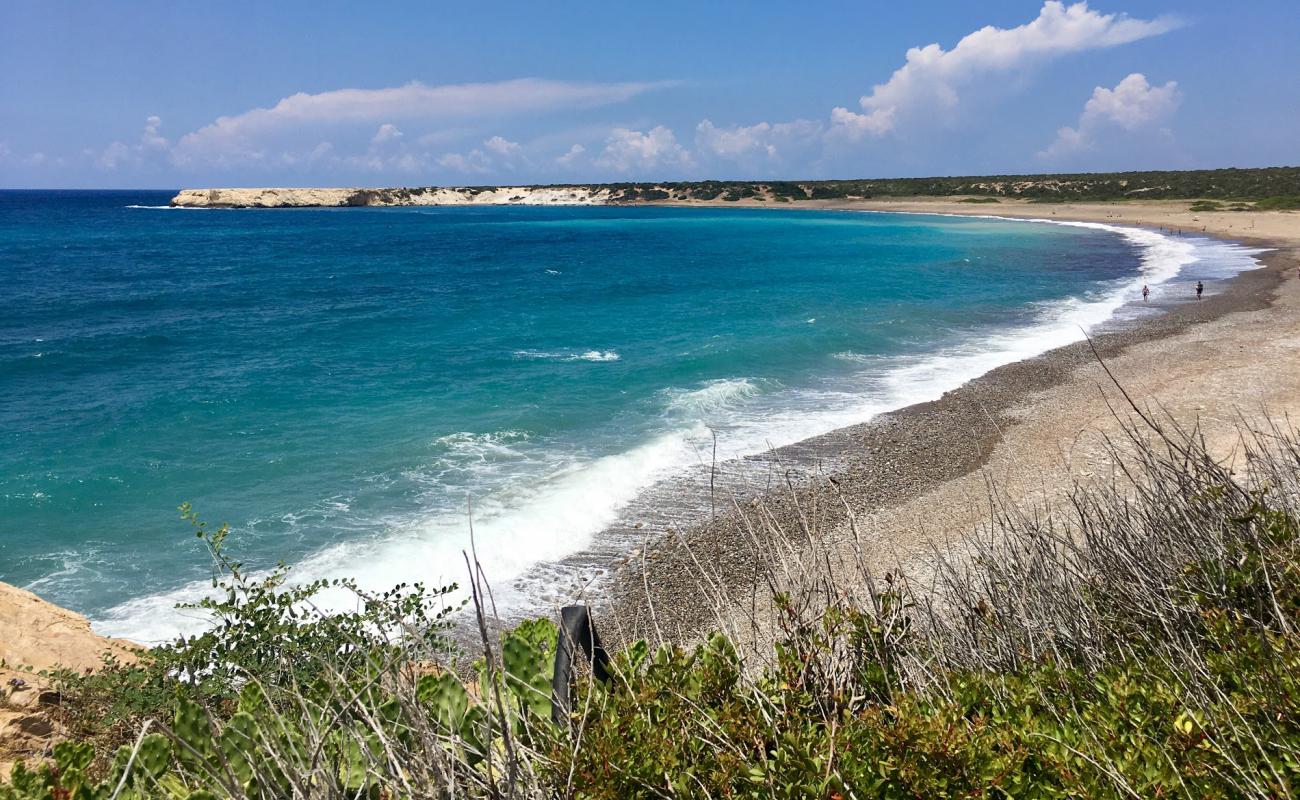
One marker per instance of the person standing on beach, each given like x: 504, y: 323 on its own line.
x: 1200, y: 287
x: 1145, y: 292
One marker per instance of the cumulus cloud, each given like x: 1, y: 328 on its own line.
x: 501, y: 146
x: 118, y: 154
x: 243, y: 135
x: 151, y: 139
x: 735, y: 142
x: 496, y: 152
x: 747, y: 143
x: 475, y: 161
x: 1133, y: 105
x: 628, y: 151
x: 115, y: 155
x: 387, y: 132
x: 932, y: 78
x: 571, y: 157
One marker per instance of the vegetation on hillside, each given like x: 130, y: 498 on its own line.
x: 1142, y: 641
x: 1275, y: 187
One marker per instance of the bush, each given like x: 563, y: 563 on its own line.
x: 1142, y: 642
x: 1278, y: 202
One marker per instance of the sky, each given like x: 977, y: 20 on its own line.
x: 145, y: 94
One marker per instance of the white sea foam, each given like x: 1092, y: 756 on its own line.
x: 568, y: 355
x: 540, y: 519
x: 544, y: 506
x: 710, y: 398
x: 182, y: 208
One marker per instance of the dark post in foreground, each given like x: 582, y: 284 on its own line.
x: 576, y: 630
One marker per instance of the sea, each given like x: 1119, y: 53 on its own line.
x: 355, y: 390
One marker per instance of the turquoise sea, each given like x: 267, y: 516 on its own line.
x: 343, y: 386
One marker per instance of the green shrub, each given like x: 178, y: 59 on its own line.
x: 1150, y: 649
x: 1279, y: 202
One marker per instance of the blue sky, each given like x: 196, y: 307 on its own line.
x: 168, y: 94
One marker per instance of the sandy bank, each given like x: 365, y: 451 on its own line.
x: 1273, y: 226
x: 35, y: 636
x: 1172, y: 215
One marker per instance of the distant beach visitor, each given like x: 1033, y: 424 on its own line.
x: 1200, y: 287
x: 1145, y: 292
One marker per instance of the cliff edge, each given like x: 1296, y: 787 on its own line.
x: 428, y: 196
x: 34, y: 636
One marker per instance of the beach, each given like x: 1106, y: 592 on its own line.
x: 897, y: 491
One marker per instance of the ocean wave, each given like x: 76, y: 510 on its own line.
x: 498, y: 441
x: 464, y: 451
x: 534, y: 519
x: 860, y: 358
x: 709, y: 398
x: 568, y: 355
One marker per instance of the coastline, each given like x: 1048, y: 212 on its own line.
x: 1263, y: 228
x: 894, y: 460
x: 917, y: 478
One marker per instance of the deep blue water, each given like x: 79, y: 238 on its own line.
x: 339, y: 383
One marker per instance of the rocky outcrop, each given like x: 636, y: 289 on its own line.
x: 428, y: 196
x: 35, y: 636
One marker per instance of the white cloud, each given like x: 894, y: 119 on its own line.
x: 761, y: 141
x: 633, y: 151
x: 1133, y: 105
x: 387, y: 132
x: 241, y: 136
x: 501, y: 146
x: 931, y: 77
x: 734, y: 142
x: 114, y: 156
x: 496, y: 152
x: 151, y: 139
x: 569, y: 158
x: 475, y: 161
x: 119, y: 154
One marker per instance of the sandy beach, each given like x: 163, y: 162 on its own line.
x: 916, y: 481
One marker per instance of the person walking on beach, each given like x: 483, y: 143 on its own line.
x: 1200, y: 287
x: 1145, y: 292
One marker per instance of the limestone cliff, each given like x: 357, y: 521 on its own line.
x: 428, y: 196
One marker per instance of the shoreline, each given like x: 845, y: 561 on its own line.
x: 957, y: 433
x: 1271, y: 228
x: 897, y: 468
